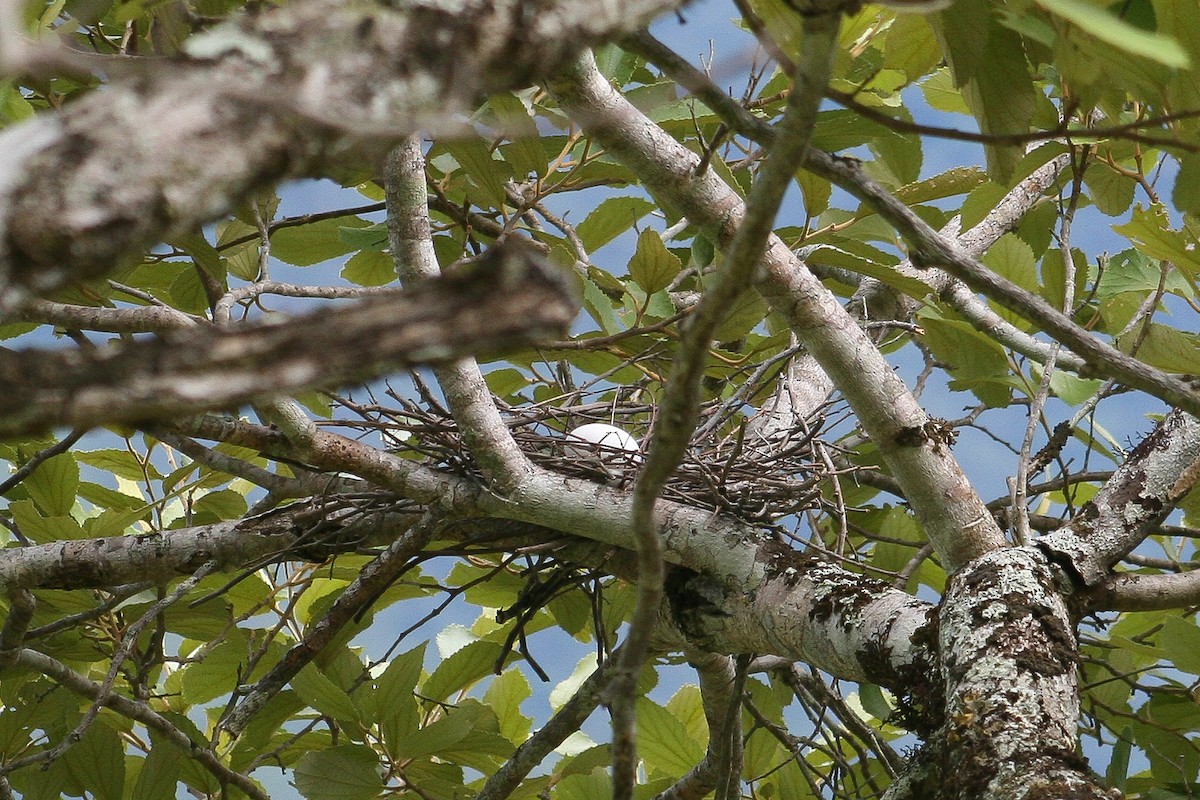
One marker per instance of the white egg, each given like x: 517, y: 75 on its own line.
x: 604, y: 441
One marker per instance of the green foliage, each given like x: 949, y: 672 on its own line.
x: 378, y: 712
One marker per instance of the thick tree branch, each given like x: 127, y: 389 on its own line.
x: 1159, y: 472
x: 483, y: 431
x: 1012, y: 700
x: 929, y: 249
x: 934, y: 484
x: 503, y: 301
x: 1126, y: 591
x: 258, y: 99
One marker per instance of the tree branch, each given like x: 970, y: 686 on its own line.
x: 409, y: 237
x: 505, y: 300
x: 943, y: 499
x: 257, y: 99
x: 1159, y: 472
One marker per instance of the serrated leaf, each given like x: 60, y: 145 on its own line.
x: 461, y: 670
x: 435, y: 737
x: 225, y: 504
x: 392, y: 694
x: 989, y: 66
x: 506, y: 381
x: 1151, y: 232
x: 873, y: 701
x: 97, y: 762
x: 118, y: 462
x: 369, y: 268
x: 1166, y: 348
x: 525, y: 154
x: 475, y: 159
x: 1111, y: 191
x: 1107, y: 27
x: 1186, y: 193
x: 1180, y: 641
x: 611, y: 218
x: 663, y: 741
x: 504, y: 697
x: 320, y: 693
x: 1011, y: 258
x: 305, y: 245
x: 345, y: 772
x: 158, y: 776
x: 599, y: 307
x: 216, y: 674
x: 653, y: 266
x: 373, y: 237
x: 1130, y: 271
x: 747, y: 312
x: 54, y: 483
x: 41, y: 528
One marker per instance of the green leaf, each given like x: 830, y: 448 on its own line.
x: 1130, y: 271
x: 1186, y: 193
x: 435, y: 738
x: 1150, y: 230
x: 461, y: 670
x: 43, y: 528
x: 599, y: 307
x: 611, y: 218
x: 873, y: 700
x: 1111, y: 191
x: 54, y: 483
x: 475, y: 159
x: 653, y: 266
x: 1115, y: 31
x: 1118, y: 765
x: 158, y: 776
x: 747, y: 313
x: 305, y: 245
x: 217, y: 674
x: 1011, y: 258
x: 121, y: 463
x: 373, y: 237
x: 504, y: 697
x: 320, y: 693
x: 97, y: 762
x: 224, y: 504
x: 1180, y: 641
x: 1166, y: 348
x: 989, y: 65
x: 370, y: 268
x: 663, y: 741
x: 506, y: 382
x: 345, y: 772
x: 525, y: 154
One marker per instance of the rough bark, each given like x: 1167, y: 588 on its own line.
x: 282, y: 93
x: 1163, y: 468
x: 501, y: 302
x: 917, y: 451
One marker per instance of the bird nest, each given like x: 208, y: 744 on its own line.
x: 728, y: 467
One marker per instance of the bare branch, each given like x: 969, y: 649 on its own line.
x: 1157, y: 474
x: 470, y: 401
x: 944, y: 500
x: 258, y: 99
x: 504, y: 301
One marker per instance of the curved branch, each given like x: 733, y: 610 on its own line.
x: 140, y: 712
x: 1141, y: 492
x: 409, y: 237
x: 947, y: 505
